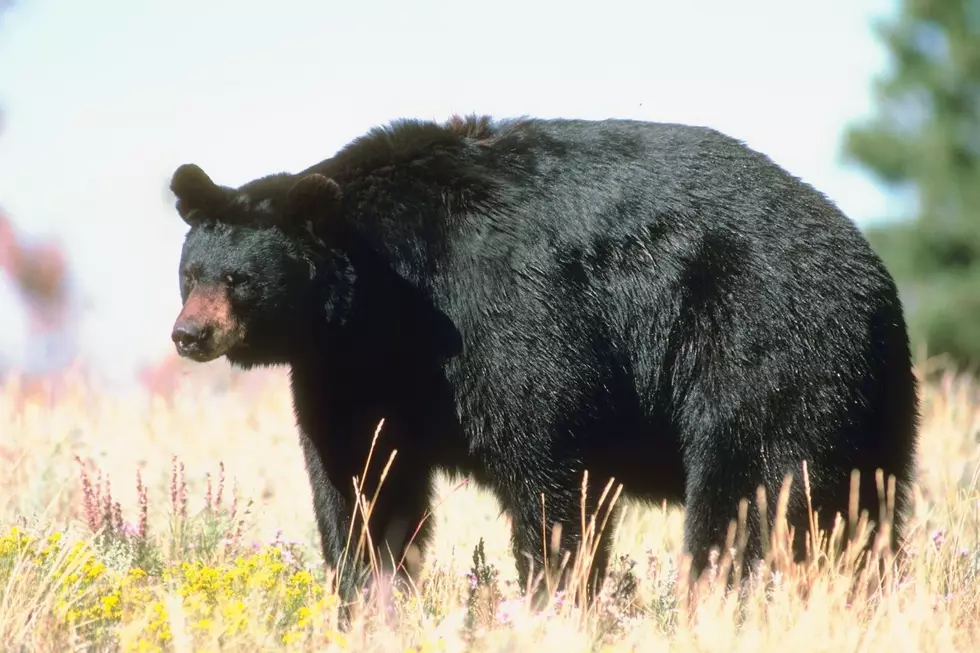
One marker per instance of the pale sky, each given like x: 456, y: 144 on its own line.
x: 103, y: 99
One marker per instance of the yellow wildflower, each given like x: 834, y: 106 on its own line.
x: 111, y: 606
x: 337, y: 638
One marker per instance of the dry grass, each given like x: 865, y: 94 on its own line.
x: 931, y: 603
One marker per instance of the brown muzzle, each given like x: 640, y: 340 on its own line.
x: 206, y: 327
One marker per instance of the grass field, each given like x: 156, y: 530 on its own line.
x: 208, y: 543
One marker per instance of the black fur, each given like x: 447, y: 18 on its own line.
x: 524, y: 300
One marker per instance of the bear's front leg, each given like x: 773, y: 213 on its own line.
x: 332, y: 508
x: 395, y: 513
x: 559, y: 485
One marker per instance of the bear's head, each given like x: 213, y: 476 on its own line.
x: 255, y: 271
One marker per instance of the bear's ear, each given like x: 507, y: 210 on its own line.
x: 195, y: 191
x: 310, y: 202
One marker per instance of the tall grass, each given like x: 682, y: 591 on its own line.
x: 185, y: 523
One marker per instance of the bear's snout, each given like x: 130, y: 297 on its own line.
x: 206, y: 327
x: 190, y: 337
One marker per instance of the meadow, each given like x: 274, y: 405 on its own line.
x: 182, y: 521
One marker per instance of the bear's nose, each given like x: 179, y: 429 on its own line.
x: 187, y: 335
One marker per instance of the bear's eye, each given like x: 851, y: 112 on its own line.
x: 234, y: 279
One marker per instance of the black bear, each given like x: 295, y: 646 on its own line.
x: 527, y: 299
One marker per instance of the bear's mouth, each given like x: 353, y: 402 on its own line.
x: 206, y: 327
x: 201, y: 352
